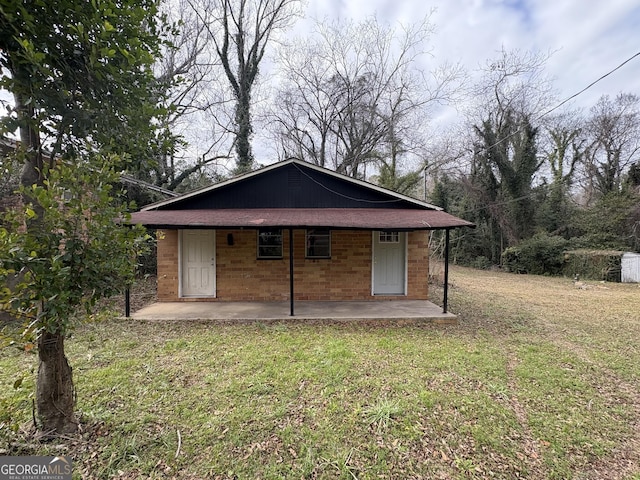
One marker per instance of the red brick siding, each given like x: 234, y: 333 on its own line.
x: 241, y: 276
x: 345, y: 276
x: 418, y: 265
x: 168, y: 265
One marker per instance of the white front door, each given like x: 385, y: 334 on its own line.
x: 389, y: 263
x: 198, y: 263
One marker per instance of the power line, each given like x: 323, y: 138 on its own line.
x: 341, y: 194
x: 590, y: 85
x: 543, y: 115
x: 497, y: 204
x: 566, y: 100
x: 148, y: 186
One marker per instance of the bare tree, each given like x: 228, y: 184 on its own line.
x: 186, y: 72
x: 240, y: 31
x: 353, y: 94
x: 515, y: 81
x: 511, y: 94
x: 614, y: 143
x: 563, y: 146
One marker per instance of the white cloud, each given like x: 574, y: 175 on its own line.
x: 589, y: 37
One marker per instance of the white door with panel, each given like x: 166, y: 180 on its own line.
x: 198, y: 263
x: 389, y: 263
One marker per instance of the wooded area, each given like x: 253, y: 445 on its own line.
x: 362, y: 98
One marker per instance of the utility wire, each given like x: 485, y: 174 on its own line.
x: 544, y: 115
x: 341, y: 194
x: 505, y: 202
x: 566, y: 100
x: 590, y: 85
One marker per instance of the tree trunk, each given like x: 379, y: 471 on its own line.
x: 30, y: 140
x: 55, y: 396
x: 243, y: 137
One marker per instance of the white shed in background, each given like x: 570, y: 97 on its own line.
x: 630, y: 268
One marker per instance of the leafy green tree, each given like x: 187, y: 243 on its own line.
x: 75, y: 257
x: 611, y: 223
x: 78, y: 71
x: 633, y: 177
x: 81, y: 79
x: 402, y: 183
x: 468, y: 246
x: 542, y: 254
x: 9, y: 172
x: 511, y: 94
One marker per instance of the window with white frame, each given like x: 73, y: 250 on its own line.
x: 318, y: 243
x: 269, y: 243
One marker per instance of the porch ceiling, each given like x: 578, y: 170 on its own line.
x: 338, y: 218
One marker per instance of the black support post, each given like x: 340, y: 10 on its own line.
x: 445, y: 299
x: 127, y: 302
x: 291, y: 270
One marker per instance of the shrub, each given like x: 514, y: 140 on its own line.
x: 540, y: 254
x: 481, y: 263
x: 594, y: 264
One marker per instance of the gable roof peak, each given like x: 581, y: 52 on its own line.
x: 301, y: 166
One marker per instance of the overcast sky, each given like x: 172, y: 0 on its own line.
x: 589, y: 37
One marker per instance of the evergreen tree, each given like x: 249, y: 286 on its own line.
x: 80, y: 74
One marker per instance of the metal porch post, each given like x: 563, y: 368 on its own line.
x: 445, y: 299
x: 291, y: 270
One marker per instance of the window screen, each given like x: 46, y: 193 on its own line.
x: 269, y: 243
x: 318, y: 241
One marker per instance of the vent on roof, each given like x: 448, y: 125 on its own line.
x: 295, y: 179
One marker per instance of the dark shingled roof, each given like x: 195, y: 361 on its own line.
x: 362, y: 218
x: 295, y: 194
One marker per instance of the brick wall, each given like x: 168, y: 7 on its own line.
x: 418, y: 265
x: 345, y: 276
x: 167, y: 265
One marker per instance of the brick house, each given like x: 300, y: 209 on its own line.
x: 293, y: 230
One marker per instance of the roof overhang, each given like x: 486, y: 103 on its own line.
x: 336, y: 218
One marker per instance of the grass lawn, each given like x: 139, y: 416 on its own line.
x: 539, y: 380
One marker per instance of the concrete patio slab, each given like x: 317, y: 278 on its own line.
x: 397, y: 311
